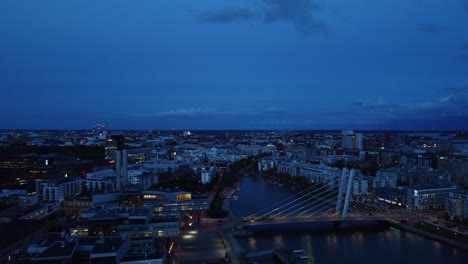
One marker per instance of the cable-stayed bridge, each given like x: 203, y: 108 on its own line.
x: 333, y: 201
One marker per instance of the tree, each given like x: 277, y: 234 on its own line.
x: 102, y: 187
x: 84, y: 189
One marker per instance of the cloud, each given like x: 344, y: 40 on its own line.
x: 429, y: 28
x: 274, y: 109
x: 199, y: 112
x: 444, y: 109
x: 449, y: 103
x: 226, y: 15
x: 375, y: 105
x: 299, y: 13
x: 456, y: 90
x: 181, y: 113
x: 456, y: 99
x: 463, y: 54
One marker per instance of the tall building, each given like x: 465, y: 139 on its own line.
x: 350, y: 140
x: 115, y: 150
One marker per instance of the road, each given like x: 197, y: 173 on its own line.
x: 199, y: 246
x: 210, y: 242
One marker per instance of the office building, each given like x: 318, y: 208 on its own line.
x: 427, y: 198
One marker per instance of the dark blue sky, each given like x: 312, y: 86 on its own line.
x: 234, y: 64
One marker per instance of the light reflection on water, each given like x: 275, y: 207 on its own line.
x: 332, y: 240
x: 252, y: 243
x: 279, y: 242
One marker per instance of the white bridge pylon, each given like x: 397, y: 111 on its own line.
x: 345, y: 186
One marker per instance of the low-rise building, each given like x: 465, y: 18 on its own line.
x: 141, y: 225
x: 267, y: 164
x: 427, y: 198
x: 62, y: 248
x: 394, y: 196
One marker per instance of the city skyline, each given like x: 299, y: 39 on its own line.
x: 238, y: 64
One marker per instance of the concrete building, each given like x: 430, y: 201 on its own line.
x: 173, y: 203
x: 319, y: 173
x: 350, y: 140
x: 291, y: 168
x: 267, y: 164
x: 62, y: 248
x: 427, y: 198
x: 148, y: 179
x: 315, y: 173
x: 360, y: 185
x: 457, y: 205
x: 161, y: 165
x: 139, y: 224
x: 58, y: 189
x: 100, y: 174
x: 207, y: 174
x: 384, y: 179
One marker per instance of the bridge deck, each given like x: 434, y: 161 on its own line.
x: 260, y: 253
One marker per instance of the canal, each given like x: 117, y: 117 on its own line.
x: 382, y: 245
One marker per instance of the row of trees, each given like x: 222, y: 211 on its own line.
x: 79, y: 151
x: 186, y: 179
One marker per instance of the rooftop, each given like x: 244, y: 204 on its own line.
x: 60, y: 246
x: 105, y: 215
x: 59, y: 250
x: 107, y: 245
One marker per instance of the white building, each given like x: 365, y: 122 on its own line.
x: 207, y: 174
x: 53, y: 193
x: 385, y: 179
x: 319, y: 173
x: 134, y: 176
x: 159, y: 166
x: 420, y: 198
x: 267, y: 164
x: 349, y: 140
x: 59, y: 189
x: 315, y: 173
x: 100, y: 175
x: 291, y: 168
x: 360, y: 185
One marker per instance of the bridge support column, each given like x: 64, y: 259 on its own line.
x: 348, y: 194
x: 341, y: 187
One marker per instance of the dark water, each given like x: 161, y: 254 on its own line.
x: 387, y: 245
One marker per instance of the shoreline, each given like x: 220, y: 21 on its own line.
x: 441, y: 239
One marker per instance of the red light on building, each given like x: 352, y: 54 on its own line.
x: 111, y: 161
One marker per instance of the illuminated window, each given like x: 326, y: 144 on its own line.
x: 182, y: 197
